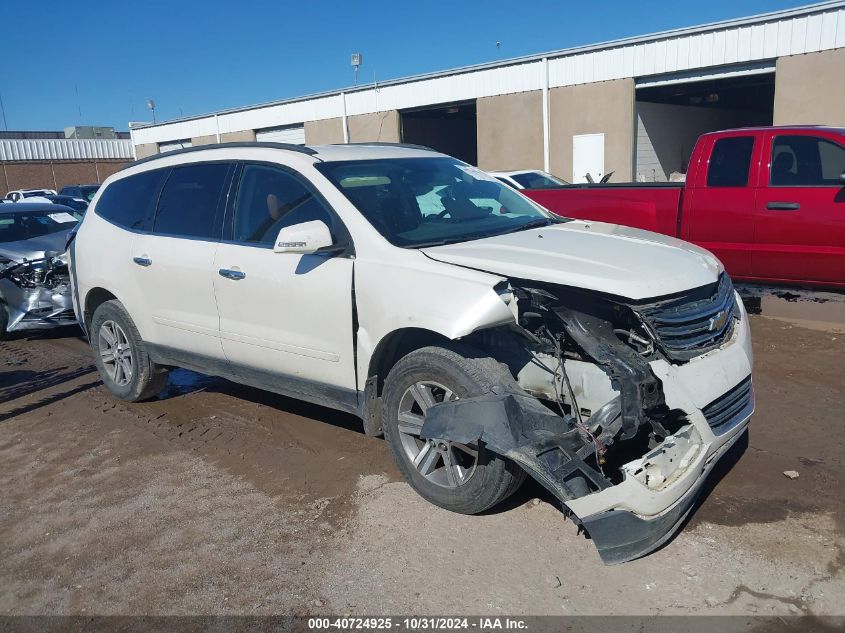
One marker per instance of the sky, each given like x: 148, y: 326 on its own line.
x: 93, y: 62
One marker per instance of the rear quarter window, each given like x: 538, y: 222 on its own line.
x: 129, y: 202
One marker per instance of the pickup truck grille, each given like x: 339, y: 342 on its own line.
x: 695, y: 322
x: 728, y: 410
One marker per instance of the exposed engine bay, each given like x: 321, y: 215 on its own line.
x: 587, y: 410
x: 36, y: 293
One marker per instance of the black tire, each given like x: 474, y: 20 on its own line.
x: 5, y: 335
x: 456, y: 367
x: 146, y: 378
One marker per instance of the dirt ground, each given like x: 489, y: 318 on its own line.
x: 220, y: 499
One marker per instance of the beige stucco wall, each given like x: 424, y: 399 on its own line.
x: 510, y: 131
x: 324, y: 131
x: 603, y: 107
x: 146, y: 149
x: 232, y: 137
x: 378, y: 126
x: 203, y: 140
x: 808, y: 89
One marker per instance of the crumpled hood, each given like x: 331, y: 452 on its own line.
x: 608, y: 258
x: 34, y: 247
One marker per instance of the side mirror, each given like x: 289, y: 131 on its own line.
x: 842, y: 178
x: 303, y: 238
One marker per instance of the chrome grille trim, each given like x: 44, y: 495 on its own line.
x: 731, y: 408
x: 695, y: 322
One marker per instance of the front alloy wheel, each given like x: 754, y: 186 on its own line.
x: 466, y: 478
x: 444, y: 463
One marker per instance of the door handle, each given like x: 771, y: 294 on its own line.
x: 228, y: 273
x: 783, y: 206
x: 142, y: 261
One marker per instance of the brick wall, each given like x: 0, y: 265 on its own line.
x: 44, y: 175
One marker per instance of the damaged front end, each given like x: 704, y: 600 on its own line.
x: 36, y: 294
x: 605, y: 412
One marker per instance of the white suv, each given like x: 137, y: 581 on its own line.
x: 483, y: 336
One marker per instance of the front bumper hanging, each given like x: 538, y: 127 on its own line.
x: 520, y: 428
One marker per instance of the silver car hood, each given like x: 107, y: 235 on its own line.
x: 34, y: 247
x: 607, y: 258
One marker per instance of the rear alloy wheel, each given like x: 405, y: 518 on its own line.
x: 116, y: 353
x: 465, y: 478
x: 121, y: 355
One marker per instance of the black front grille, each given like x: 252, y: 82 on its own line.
x: 731, y: 408
x: 695, y: 322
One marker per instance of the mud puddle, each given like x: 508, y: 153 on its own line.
x: 812, y: 309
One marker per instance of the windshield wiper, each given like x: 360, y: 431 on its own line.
x: 533, y: 224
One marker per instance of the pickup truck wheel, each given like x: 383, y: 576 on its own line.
x: 464, y: 478
x: 121, y: 356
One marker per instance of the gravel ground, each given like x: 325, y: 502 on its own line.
x: 220, y: 499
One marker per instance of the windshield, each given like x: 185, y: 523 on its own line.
x: 537, y: 180
x: 88, y: 191
x: 415, y: 202
x: 15, y: 227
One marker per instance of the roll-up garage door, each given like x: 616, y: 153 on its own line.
x: 294, y: 134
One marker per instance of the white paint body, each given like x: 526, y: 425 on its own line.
x: 294, y: 316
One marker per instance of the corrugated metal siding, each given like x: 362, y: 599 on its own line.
x: 65, y: 149
x: 791, y: 32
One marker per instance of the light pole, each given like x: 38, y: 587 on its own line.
x: 356, y: 59
x: 152, y: 106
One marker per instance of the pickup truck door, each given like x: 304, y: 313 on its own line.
x: 285, y: 318
x: 719, y: 202
x: 800, y: 217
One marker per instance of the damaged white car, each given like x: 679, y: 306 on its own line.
x: 34, y: 281
x: 483, y: 336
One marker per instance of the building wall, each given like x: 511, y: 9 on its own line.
x: 378, y: 126
x: 808, y: 89
x: 510, y: 131
x: 233, y: 137
x: 324, y: 131
x: 146, y: 149
x: 605, y: 107
x: 204, y: 140
x: 39, y: 174
x: 666, y: 135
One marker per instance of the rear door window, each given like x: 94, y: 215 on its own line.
x: 730, y: 162
x: 191, y: 201
x: 806, y: 161
x: 129, y: 202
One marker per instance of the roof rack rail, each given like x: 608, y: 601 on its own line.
x: 386, y: 144
x: 302, y: 149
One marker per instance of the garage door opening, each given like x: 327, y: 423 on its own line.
x: 671, y: 115
x: 450, y: 129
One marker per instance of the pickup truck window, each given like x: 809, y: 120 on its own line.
x: 806, y: 161
x: 730, y: 162
x: 417, y: 202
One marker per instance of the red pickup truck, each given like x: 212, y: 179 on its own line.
x: 769, y: 202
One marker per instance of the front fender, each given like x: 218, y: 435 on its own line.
x: 448, y: 300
